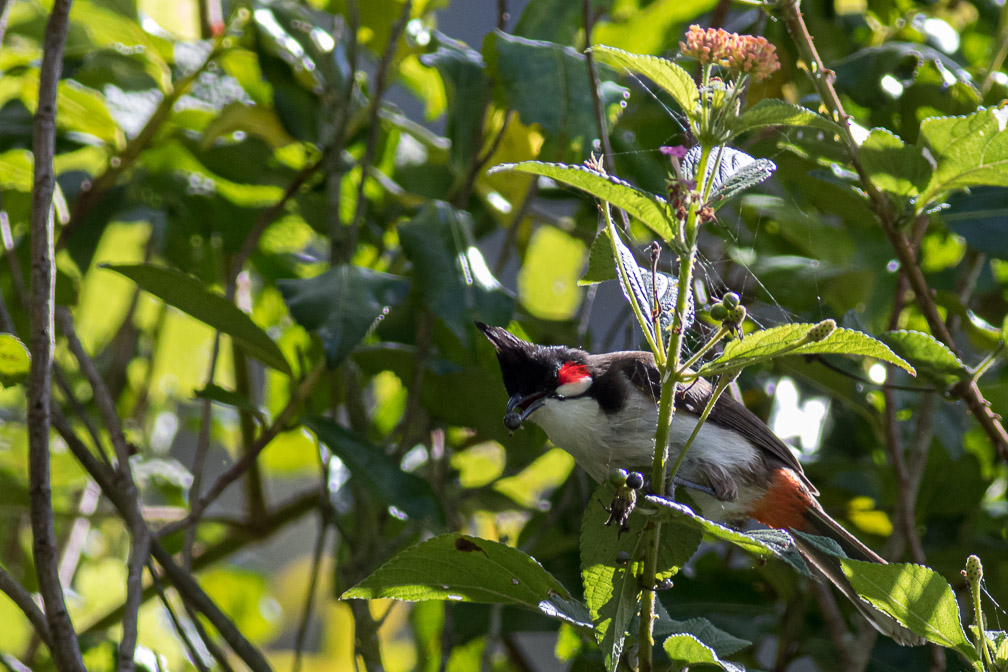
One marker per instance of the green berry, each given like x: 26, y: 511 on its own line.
x: 730, y: 300
x: 618, y: 477
x: 737, y: 315
x: 718, y: 312
x: 974, y: 570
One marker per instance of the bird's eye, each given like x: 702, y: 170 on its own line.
x: 573, y: 379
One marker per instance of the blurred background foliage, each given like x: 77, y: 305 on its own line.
x: 323, y: 165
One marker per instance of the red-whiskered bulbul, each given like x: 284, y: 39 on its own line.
x: 603, y: 410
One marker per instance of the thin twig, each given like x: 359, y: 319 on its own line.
x: 242, y: 465
x: 216, y: 652
x: 65, y: 648
x: 180, y: 630
x: 23, y: 600
x: 306, y: 612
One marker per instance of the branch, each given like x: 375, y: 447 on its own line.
x: 23, y: 600
x: 822, y: 79
x: 65, y: 648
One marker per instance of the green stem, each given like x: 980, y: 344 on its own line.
x: 723, y: 382
x: 666, y: 411
x: 715, y: 339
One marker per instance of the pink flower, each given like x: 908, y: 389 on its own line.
x: 678, y: 151
x: 748, y: 54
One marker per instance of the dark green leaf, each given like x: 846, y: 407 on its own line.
x: 600, y: 261
x: 15, y: 361
x: 918, y: 597
x: 468, y: 89
x: 794, y: 339
x: 895, y: 168
x: 652, y: 210
x: 193, y: 298
x: 663, y: 72
x: 929, y: 356
x: 523, y: 71
x: 457, y: 567
x: 450, y: 272
x: 979, y: 216
x: 230, y: 398
x: 410, y: 494
x: 774, y: 112
x: 342, y: 305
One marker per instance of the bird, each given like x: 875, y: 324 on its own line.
x: 603, y: 410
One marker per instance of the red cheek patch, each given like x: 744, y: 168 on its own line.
x: 572, y: 372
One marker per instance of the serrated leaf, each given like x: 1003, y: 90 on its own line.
x: 916, y: 596
x: 736, y: 171
x: 761, y: 543
x: 15, y: 361
x: 382, y: 475
x: 192, y: 297
x: 775, y: 112
x: 522, y: 70
x: 457, y: 567
x: 611, y: 588
x: 723, y: 643
x: 343, y: 305
x: 893, y: 167
x: 687, y: 651
x: 928, y: 355
x: 663, y: 72
x: 790, y: 339
x: 650, y: 209
x: 969, y: 151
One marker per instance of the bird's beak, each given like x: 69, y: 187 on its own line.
x: 520, y: 407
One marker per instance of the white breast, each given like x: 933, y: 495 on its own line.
x: 601, y: 442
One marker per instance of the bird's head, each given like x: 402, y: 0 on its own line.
x: 534, y: 373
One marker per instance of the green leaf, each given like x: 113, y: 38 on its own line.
x: 916, y: 596
x: 774, y: 112
x: 928, y: 355
x: 231, y: 398
x: 663, y: 72
x: 978, y: 216
x: 895, y: 168
x: 600, y: 261
x: 15, y: 361
x: 343, y: 305
x: 612, y: 586
x: 468, y: 90
x: 794, y: 339
x: 723, y: 643
x: 547, y: 281
x: 524, y: 70
x: 450, y: 272
x: 460, y: 568
x: 761, y: 543
x: 969, y: 151
x: 687, y: 650
x: 612, y: 592
x: 407, y: 492
x: 652, y: 210
x: 196, y: 300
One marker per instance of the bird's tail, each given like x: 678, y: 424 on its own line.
x: 816, y: 521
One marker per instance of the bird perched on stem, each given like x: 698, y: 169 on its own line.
x: 603, y: 410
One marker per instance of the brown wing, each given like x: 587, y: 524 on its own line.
x: 733, y: 415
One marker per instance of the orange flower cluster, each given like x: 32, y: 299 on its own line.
x: 754, y: 56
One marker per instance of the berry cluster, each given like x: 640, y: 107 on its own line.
x: 729, y: 313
